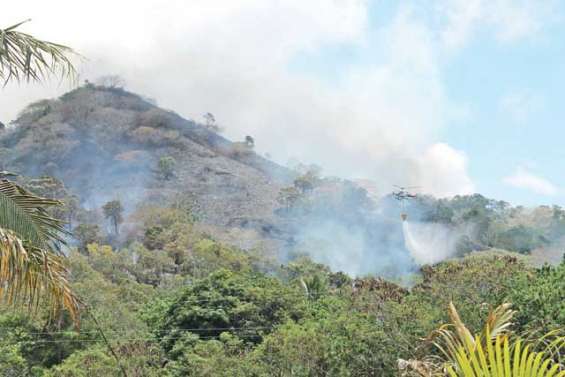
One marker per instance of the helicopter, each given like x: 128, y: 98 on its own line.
x: 402, y: 194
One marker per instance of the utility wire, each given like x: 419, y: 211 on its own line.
x: 199, y: 329
x: 40, y: 341
x: 87, y: 309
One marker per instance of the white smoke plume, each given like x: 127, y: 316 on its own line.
x: 238, y: 59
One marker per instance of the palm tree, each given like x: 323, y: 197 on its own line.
x: 32, y: 266
x: 31, y: 263
x: 495, y: 352
x: 24, y: 57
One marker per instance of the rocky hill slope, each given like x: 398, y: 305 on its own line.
x: 106, y: 143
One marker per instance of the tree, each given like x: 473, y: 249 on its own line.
x: 166, y: 167
x: 86, y: 234
x: 288, y: 197
x: 113, y: 211
x: 30, y: 259
x: 250, y: 142
x: 224, y: 300
x: 30, y: 239
x: 111, y: 82
x: 211, y: 122
x: 306, y: 182
x: 541, y: 299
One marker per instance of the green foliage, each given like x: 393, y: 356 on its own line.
x: 541, y: 299
x: 248, y: 304
x: 113, y: 211
x: 174, y: 301
x: 496, y: 224
x: 476, y: 284
x: 12, y: 344
x: 520, y: 238
x: 166, y: 167
x: 86, y: 234
x: 172, y: 231
x: 12, y: 364
x: 471, y: 283
x: 334, y: 342
x: 225, y: 356
x: 90, y: 362
x: 301, y: 320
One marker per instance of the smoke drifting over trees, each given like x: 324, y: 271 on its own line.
x: 182, y: 253
x: 105, y: 142
x: 174, y: 224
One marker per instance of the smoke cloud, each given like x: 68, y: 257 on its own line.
x: 259, y: 67
x: 255, y: 65
x: 375, y: 119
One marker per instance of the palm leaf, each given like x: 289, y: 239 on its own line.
x: 24, y: 57
x: 495, y: 352
x: 29, y: 273
x: 31, y: 265
x: 30, y: 260
x: 25, y: 215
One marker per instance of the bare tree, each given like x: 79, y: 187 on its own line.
x: 210, y: 123
x: 111, y: 82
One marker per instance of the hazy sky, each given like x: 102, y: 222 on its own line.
x: 457, y: 96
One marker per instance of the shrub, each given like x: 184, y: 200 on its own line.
x: 166, y: 167
x: 249, y: 303
x: 540, y: 298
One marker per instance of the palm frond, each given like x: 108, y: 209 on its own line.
x: 24, y: 57
x: 28, y: 274
x: 31, y: 265
x: 25, y: 214
x: 495, y: 352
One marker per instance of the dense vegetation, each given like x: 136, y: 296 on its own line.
x: 163, y: 296
x: 159, y: 295
x: 498, y: 224
x: 172, y: 301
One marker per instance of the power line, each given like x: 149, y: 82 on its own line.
x: 200, y: 329
x: 40, y: 341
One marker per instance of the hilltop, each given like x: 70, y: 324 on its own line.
x: 105, y: 143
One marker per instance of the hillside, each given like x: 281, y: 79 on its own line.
x: 226, y: 263
x: 106, y: 143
